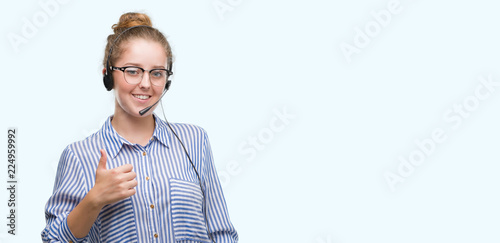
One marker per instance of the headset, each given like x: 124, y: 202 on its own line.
x: 109, y: 83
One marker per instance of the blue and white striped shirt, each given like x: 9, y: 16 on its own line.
x: 167, y: 206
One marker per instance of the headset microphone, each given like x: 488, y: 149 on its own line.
x: 143, y: 111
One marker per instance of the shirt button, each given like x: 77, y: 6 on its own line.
x: 144, y: 153
x: 152, y: 206
x: 147, y: 178
x: 156, y: 235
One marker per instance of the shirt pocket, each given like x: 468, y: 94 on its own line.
x: 187, y: 215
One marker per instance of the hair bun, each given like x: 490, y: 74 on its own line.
x: 128, y: 20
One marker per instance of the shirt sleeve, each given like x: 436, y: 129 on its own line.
x: 69, y: 190
x: 221, y: 228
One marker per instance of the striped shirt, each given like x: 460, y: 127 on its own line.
x: 167, y: 206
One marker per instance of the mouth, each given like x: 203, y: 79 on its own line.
x: 142, y: 97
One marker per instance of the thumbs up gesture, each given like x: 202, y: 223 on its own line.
x: 112, y: 185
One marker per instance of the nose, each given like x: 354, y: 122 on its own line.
x: 145, y: 82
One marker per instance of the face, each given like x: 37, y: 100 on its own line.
x: 131, y: 98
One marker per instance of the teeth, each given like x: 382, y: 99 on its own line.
x: 142, y: 97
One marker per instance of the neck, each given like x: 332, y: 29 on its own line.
x: 134, y: 129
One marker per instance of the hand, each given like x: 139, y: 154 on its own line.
x: 112, y: 185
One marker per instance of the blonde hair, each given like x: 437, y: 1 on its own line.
x: 123, y: 34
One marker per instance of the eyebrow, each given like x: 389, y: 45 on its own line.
x: 139, y: 65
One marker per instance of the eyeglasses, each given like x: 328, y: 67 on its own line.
x: 134, y: 75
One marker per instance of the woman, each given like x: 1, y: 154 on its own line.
x: 138, y: 179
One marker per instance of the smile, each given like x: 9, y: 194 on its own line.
x: 142, y: 97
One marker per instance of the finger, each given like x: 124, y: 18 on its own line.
x: 130, y: 192
x: 102, y: 160
x: 124, y: 168
x: 130, y: 184
x: 125, y: 194
x: 129, y: 176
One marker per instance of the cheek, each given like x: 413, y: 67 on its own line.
x: 160, y: 90
x: 157, y: 89
x: 120, y: 94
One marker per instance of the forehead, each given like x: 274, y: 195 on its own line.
x: 142, y: 51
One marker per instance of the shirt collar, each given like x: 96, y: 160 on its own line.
x: 161, y: 132
x: 114, y: 142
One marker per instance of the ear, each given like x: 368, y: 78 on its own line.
x: 103, y: 71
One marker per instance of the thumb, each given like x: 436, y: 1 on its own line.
x: 102, y: 160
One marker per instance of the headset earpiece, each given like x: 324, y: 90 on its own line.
x: 167, y: 85
x: 108, y: 80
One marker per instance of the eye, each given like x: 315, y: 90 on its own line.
x: 158, y: 73
x: 132, y: 71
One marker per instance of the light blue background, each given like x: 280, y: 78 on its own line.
x: 321, y: 178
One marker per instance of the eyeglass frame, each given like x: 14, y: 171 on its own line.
x: 169, y: 73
